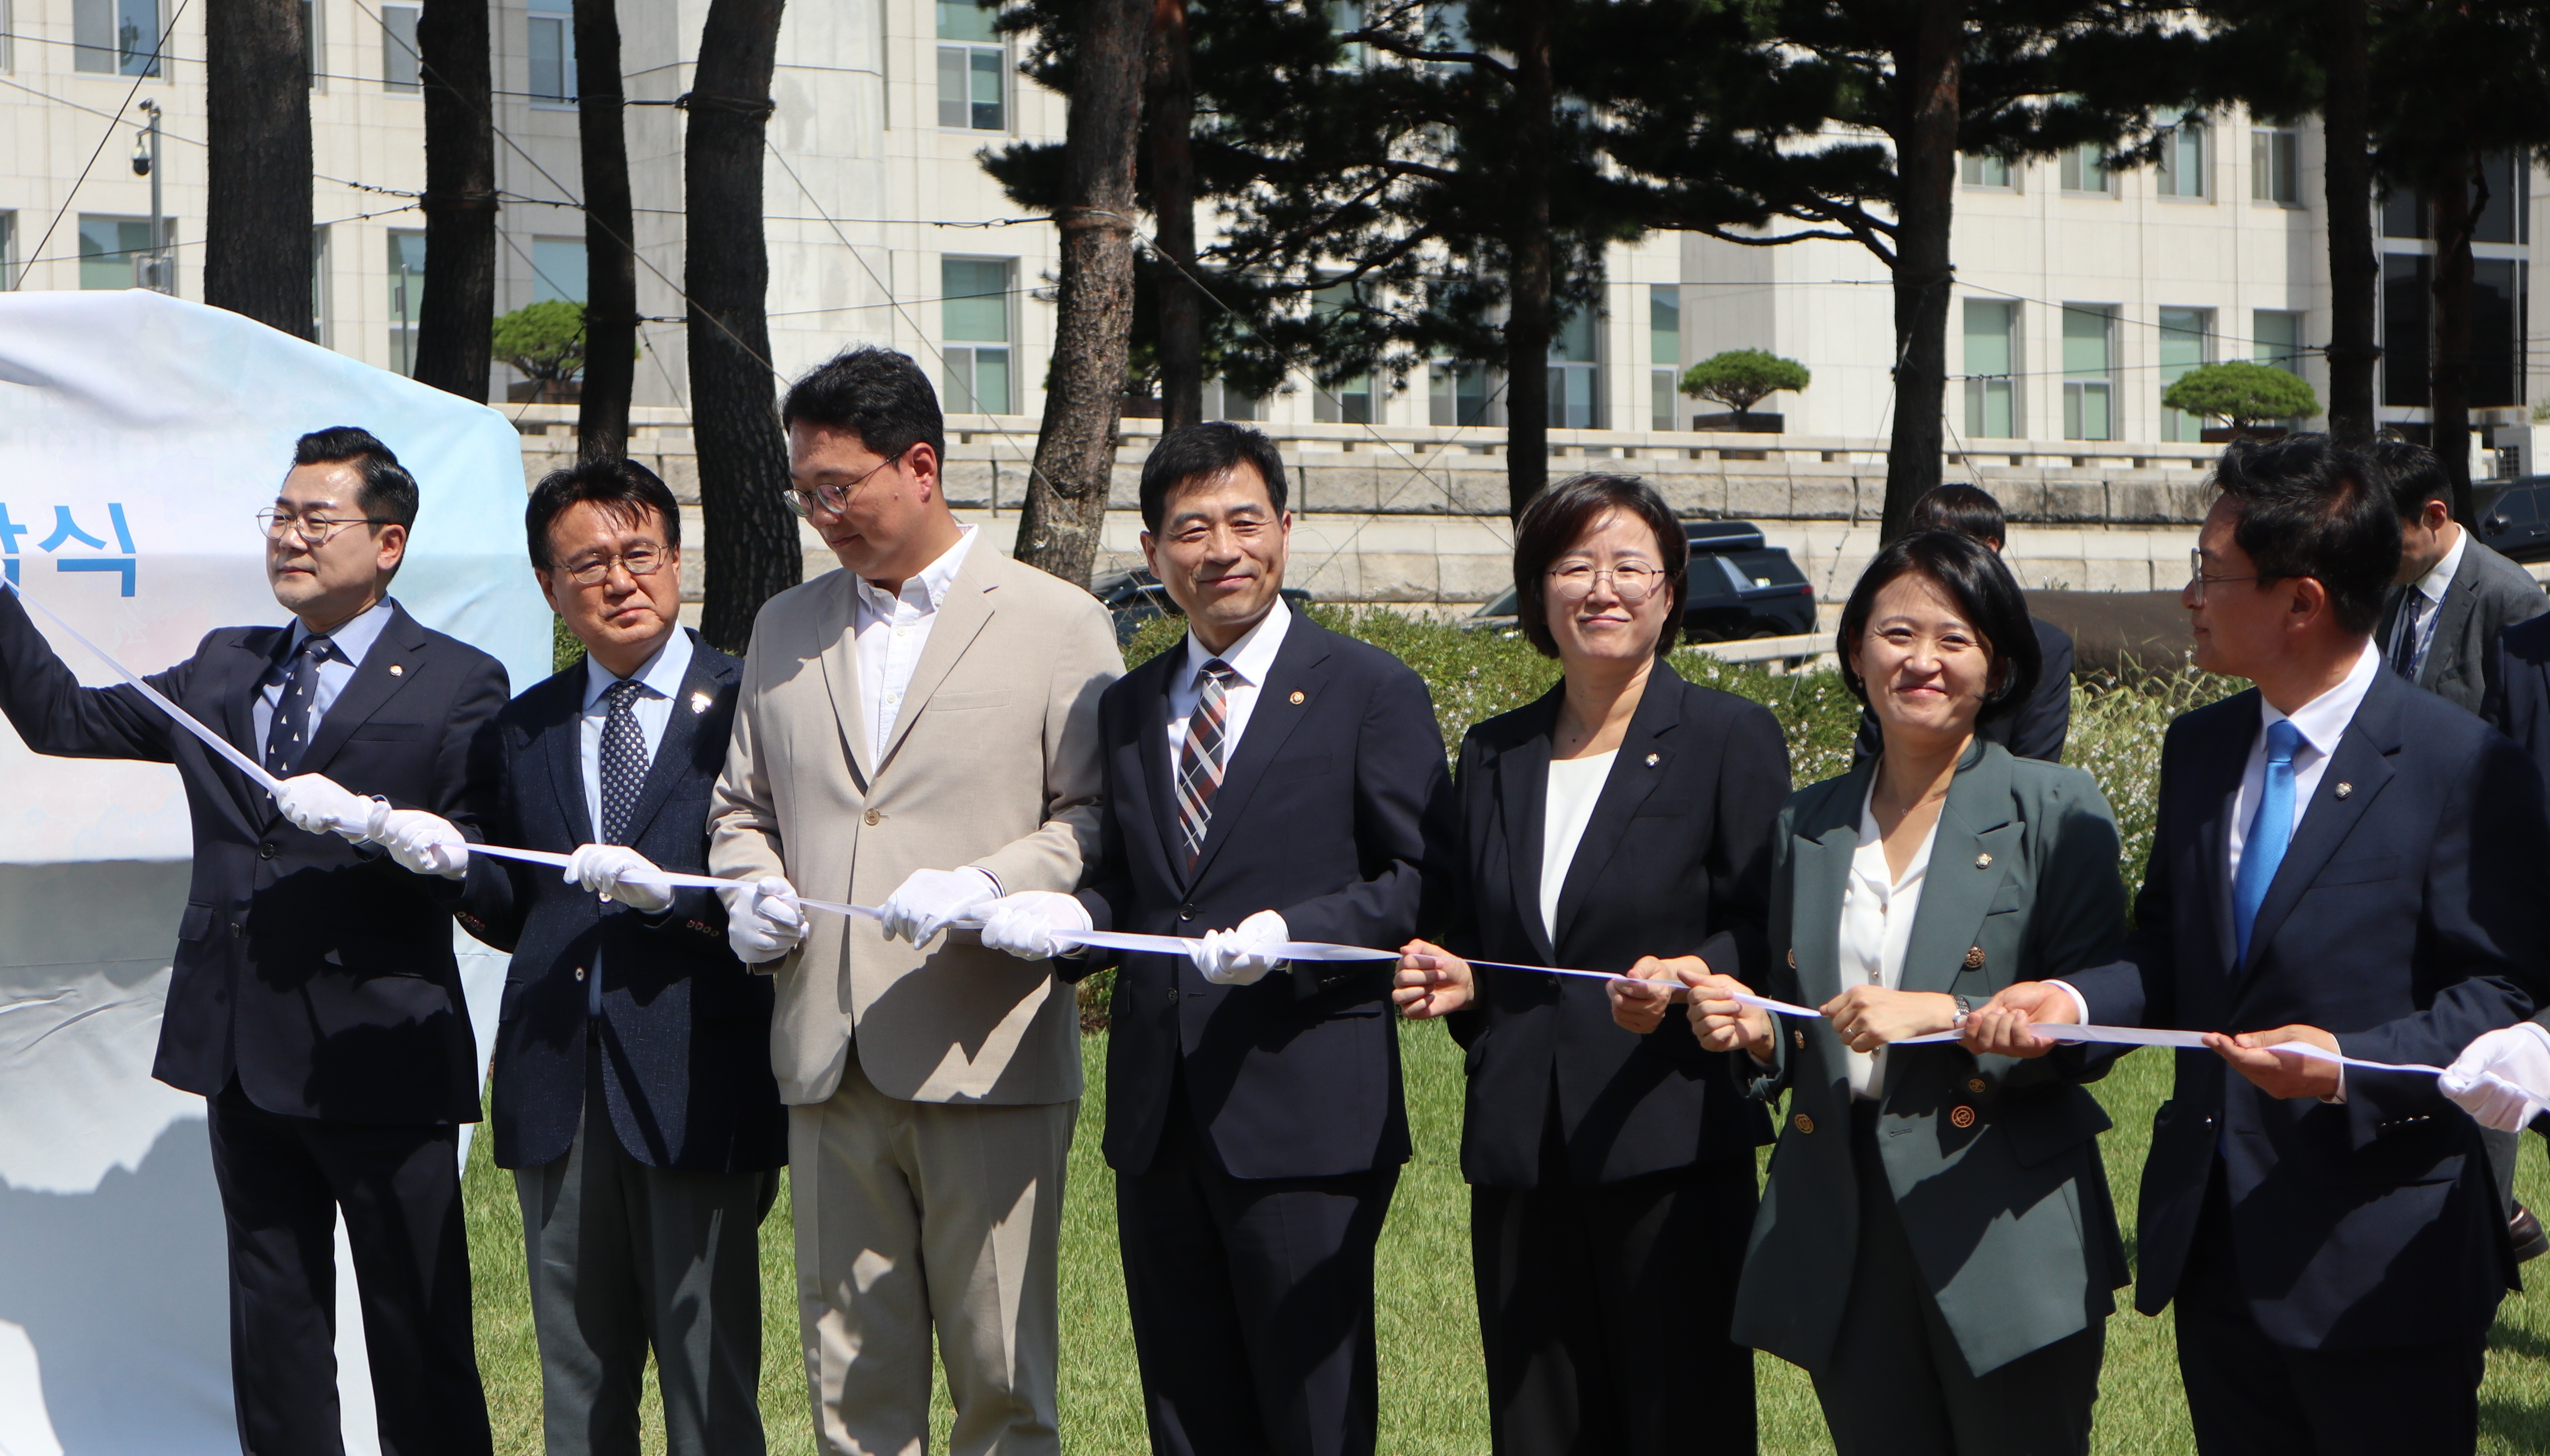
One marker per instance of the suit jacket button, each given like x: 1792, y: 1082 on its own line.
x: 266, y: 850
x: 1801, y: 1038
x: 1804, y: 1123
x: 579, y: 973
x: 238, y: 930
x: 1185, y: 912
x: 870, y: 817
x: 1173, y: 996
x: 1963, y: 1116
x: 1974, y: 1085
x: 1974, y: 958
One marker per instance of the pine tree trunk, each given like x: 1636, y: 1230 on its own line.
x: 458, y: 312
x: 751, y: 546
x: 1531, y: 310
x: 1168, y: 127
x: 1075, y: 456
x: 1930, y: 74
x: 256, y: 224
x: 611, y: 267
x: 2348, y: 174
x: 2449, y: 385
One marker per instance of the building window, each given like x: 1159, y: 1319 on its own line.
x: 1664, y: 354
x: 1458, y: 394
x: 2404, y: 322
x: 1223, y: 401
x: 2089, y: 371
x: 116, y: 37
x: 973, y: 72
x: 399, y: 66
x: 2497, y: 332
x: 2085, y: 168
x: 1345, y: 16
x: 2186, y: 341
x: 1983, y: 170
x: 1992, y: 385
x: 2508, y: 211
x: 1345, y: 402
x: 2276, y: 340
x: 2275, y: 167
x: 8, y: 250
x: 110, y: 249
x: 1575, y: 375
x: 406, y: 296
x: 551, y: 46
x: 2183, y: 149
x: 319, y: 311
x: 974, y: 320
x: 558, y: 269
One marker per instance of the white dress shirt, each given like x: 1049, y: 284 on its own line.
x: 2424, y: 607
x: 348, y: 645
x: 1877, y: 913
x: 659, y: 682
x: 1249, y: 660
x: 891, y: 628
x: 1575, y: 786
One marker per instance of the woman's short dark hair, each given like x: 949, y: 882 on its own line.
x: 2311, y: 507
x: 1957, y: 505
x: 1194, y: 453
x: 876, y: 394
x: 623, y: 490
x: 1560, y: 515
x: 1987, y: 596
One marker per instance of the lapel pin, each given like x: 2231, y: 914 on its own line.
x: 397, y: 671
x: 1297, y: 696
x: 1651, y: 760
x: 699, y: 701
x: 1983, y: 861
x: 2343, y: 790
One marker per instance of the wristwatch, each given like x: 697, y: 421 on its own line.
x: 1965, y: 1009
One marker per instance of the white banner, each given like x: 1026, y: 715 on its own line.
x: 138, y: 435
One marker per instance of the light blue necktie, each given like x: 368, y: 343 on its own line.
x: 2269, y: 832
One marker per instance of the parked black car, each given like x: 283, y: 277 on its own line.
x: 1740, y: 587
x: 1135, y: 597
x: 2515, y: 517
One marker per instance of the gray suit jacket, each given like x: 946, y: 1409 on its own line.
x: 1994, y: 1161
x: 2487, y: 595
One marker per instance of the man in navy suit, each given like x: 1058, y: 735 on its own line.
x: 2346, y: 862
x: 1267, y: 780
x: 632, y: 1090
x: 314, y: 1001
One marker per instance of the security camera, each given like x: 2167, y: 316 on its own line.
x: 141, y: 158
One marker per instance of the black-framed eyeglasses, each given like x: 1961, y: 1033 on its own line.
x: 2198, y: 581
x: 638, y: 560
x: 315, y: 531
x: 1631, y: 581
x: 831, y: 500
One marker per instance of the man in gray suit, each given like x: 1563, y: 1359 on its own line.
x: 2453, y: 595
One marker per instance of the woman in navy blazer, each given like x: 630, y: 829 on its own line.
x: 1622, y: 817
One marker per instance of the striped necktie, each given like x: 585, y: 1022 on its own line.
x: 1200, y: 758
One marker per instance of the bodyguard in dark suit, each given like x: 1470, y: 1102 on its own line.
x: 2451, y: 596
x: 632, y: 1091
x: 2344, y: 862
x: 1253, y: 1111
x: 314, y: 1000
x: 1620, y: 824
x: 2040, y: 727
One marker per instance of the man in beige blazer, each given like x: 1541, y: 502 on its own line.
x: 917, y: 731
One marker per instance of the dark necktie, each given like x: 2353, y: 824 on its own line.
x: 2404, y: 652
x: 1200, y: 758
x: 624, y: 761
x: 288, y: 738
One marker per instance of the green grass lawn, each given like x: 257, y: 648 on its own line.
x: 1433, y: 1396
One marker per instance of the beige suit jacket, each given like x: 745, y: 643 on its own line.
x: 995, y: 762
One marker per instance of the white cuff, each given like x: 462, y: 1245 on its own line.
x: 2080, y: 1003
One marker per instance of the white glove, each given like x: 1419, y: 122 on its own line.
x: 618, y: 872
x: 763, y: 919
x: 926, y: 902
x: 316, y: 804
x: 423, y: 842
x: 2503, y: 1078
x: 1024, y: 924
x: 1239, y: 958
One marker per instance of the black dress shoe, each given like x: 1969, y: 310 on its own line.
x: 2530, y: 1243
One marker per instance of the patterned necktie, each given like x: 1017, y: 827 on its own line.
x: 2270, y: 831
x: 288, y: 738
x: 624, y: 761
x: 2404, y: 652
x: 1200, y: 758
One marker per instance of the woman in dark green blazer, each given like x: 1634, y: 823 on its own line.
x: 1937, y: 1245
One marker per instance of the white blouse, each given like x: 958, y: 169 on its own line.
x: 1877, y: 913
x: 1575, y: 784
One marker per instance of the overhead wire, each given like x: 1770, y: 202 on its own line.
x: 157, y: 64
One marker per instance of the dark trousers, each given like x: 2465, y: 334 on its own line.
x: 1251, y: 1302
x: 1897, y: 1384
x: 2248, y: 1396
x: 284, y: 1181
x: 625, y: 1257
x: 1581, y: 1290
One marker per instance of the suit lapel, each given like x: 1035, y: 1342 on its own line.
x: 260, y: 649
x: 1297, y: 669
x: 2362, y: 764
x: 1522, y: 794
x: 701, y: 683
x: 837, y: 646
x: 2216, y: 799
x: 1970, y: 858
x: 957, y: 621
x: 387, y: 668
x: 1150, y: 704
x: 1821, y: 850
x: 561, y: 749
x: 1644, y: 757
x: 2452, y: 617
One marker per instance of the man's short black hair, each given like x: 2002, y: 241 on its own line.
x: 2415, y: 474
x: 1987, y: 597
x: 1956, y: 506
x: 1199, y: 452
x: 2311, y: 507
x: 386, y: 493
x: 876, y: 394
x: 623, y: 490
x: 1559, y: 517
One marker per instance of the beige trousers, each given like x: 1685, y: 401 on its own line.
x: 913, y: 1216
